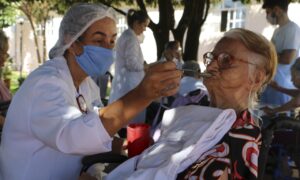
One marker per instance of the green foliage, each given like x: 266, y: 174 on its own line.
x: 7, y: 14
x: 15, y: 81
x: 62, y: 6
x: 7, y: 69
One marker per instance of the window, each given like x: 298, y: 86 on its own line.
x: 233, y: 15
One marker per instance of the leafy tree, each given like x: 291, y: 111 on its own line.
x: 194, y: 15
x: 37, y: 13
x: 7, y: 14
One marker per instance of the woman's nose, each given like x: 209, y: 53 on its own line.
x: 109, y: 43
x: 213, y: 65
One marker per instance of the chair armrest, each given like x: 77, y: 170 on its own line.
x: 108, y: 157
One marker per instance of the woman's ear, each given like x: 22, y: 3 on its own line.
x: 76, y: 48
x: 258, y: 80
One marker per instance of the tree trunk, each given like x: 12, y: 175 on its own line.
x: 27, y: 11
x: 184, y: 21
x: 194, y: 29
x: 165, y: 24
x: 44, y: 40
x: 35, y: 40
x: 194, y: 15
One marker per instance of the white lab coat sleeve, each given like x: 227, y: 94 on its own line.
x: 134, y: 61
x: 58, y: 123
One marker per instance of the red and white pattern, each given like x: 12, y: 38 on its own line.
x: 237, y: 153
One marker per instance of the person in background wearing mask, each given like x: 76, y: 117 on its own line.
x: 173, y: 52
x: 57, y: 117
x: 129, y: 65
x: 286, y: 39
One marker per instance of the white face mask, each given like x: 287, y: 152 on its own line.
x: 272, y: 19
x: 141, y: 38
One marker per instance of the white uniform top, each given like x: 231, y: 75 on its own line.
x: 129, y: 66
x: 287, y: 37
x: 45, y: 134
x: 284, y: 38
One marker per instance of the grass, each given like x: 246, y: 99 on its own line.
x: 14, y: 83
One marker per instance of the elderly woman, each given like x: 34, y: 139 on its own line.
x: 57, y: 117
x: 199, y: 142
x: 241, y: 63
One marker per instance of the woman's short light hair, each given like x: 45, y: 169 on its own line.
x: 265, y: 50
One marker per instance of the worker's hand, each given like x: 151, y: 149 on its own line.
x: 161, y: 79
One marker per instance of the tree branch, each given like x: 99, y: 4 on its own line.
x: 116, y: 9
x: 142, y: 7
x: 184, y: 21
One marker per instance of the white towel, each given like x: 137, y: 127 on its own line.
x: 187, y: 133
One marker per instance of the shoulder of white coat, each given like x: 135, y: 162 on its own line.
x: 51, y: 72
x: 128, y: 35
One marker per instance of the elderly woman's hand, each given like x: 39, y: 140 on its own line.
x: 161, y: 79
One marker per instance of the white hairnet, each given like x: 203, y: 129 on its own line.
x: 76, y: 21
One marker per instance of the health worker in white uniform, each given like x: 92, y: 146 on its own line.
x: 56, y: 117
x: 129, y: 64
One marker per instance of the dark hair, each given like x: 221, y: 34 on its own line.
x: 283, y: 4
x: 136, y: 15
x: 172, y: 44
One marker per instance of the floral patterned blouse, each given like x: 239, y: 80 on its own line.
x: 237, y: 152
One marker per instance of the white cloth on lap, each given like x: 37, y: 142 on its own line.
x: 187, y: 133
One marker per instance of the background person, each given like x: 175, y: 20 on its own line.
x: 5, y: 95
x: 286, y: 39
x: 56, y: 117
x: 172, y: 52
x: 129, y: 64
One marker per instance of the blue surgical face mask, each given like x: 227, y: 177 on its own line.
x: 95, y: 60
